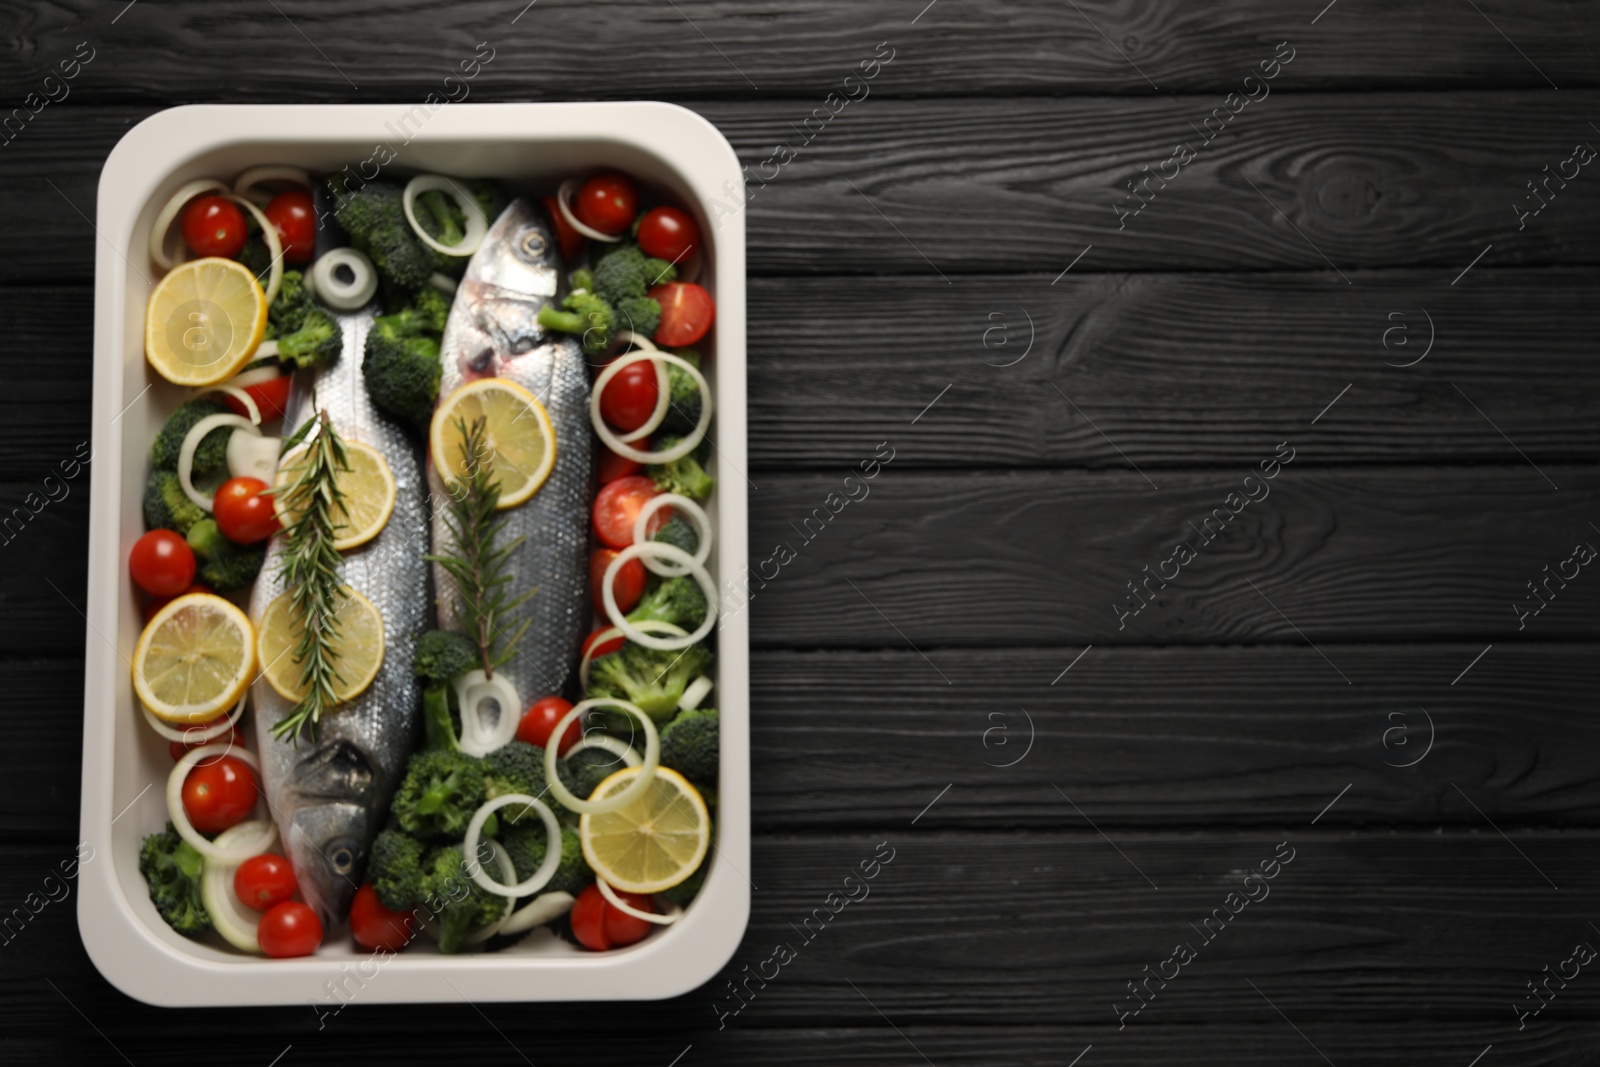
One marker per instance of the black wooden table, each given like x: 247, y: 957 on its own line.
x: 1308, y: 290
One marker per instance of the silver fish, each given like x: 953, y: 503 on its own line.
x: 331, y: 797
x: 493, y: 332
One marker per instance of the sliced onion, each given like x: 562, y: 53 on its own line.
x: 697, y: 515
x: 245, y: 184
x: 472, y: 688
x: 623, y: 906
x: 641, y: 781
x: 232, y: 388
x: 477, y: 225
x: 235, y: 852
x: 192, y: 442
x: 195, y: 735
x: 344, y: 296
x: 562, y: 196
x: 606, y: 743
x: 502, y: 859
x: 250, y: 456
x: 540, y: 910
x: 637, y: 340
x: 694, y: 693
x: 659, y: 626
x: 268, y: 348
x: 269, y: 234
x: 252, y: 375
x: 673, y: 554
x: 621, y: 447
x: 169, y: 214
x: 535, y: 881
x: 234, y: 920
x: 443, y: 282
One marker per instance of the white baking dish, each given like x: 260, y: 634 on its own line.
x: 665, y: 147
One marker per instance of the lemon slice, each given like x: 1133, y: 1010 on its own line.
x: 368, y: 488
x: 522, y: 442
x: 653, y: 843
x: 204, y: 321
x: 194, y: 659
x: 358, y: 646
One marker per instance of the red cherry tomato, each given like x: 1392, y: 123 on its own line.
x: 617, y: 505
x: 622, y: 928
x: 375, y: 926
x: 571, y: 240
x: 265, y: 881
x: 270, y: 397
x: 177, y: 748
x: 162, y: 563
x: 627, y: 587
x: 667, y: 233
x: 629, y: 398
x: 219, y: 793
x: 599, y: 926
x: 604, y: 648
x: 289, y: 929
x: 612, y: 466
x: 243, y: 515
x: 686, y: 313
x: 214, y: 226
x: 540, y: 720
x: 293, y: 216
x: 155, y: 604
x: 607, y: 202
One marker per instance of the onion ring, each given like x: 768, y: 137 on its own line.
x: 269, y: 347
x: 621, y: 447
x: 697, y: 515
x: 162, y: 228
x: 269, y: 234
x: 635, y: 789
x: 192, y: 442
x: 237, y: 923
x: 476, y: 738
x: 237, y: 392
x: 606, y: 743
x: 673, y: 554
x: 245, y: 183
x: 340, y: 295
x: 694, y: 693
x: 502, y: 859
x: 477, y: 225
x: 194, y: 735
x: 541, y: 909
x: 552, y: 852
x: 250, y: 375
x: 564, y: 194
x: 180, y: 818
x: 658, y: 625
x: 666, y: 919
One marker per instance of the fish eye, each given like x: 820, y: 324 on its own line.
x: 533, y: 245
x: 342, y: 859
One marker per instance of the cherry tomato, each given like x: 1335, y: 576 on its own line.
x: 270, y: 397
x: 155, y: 604
x: 265, y: 881
x: 606, y: 647
x: 178, y: 748
x: 293, y: 216
x: 627, y: 586
x: 214, y: 226
x: 612, y: 466
x: 162, y: 563
x: 622, y: 928
x: 219, y: 793
x: 243, y: 515
x: 599, y: 926
x: 607, y: 202
x: 289, y: 929
x: 667, y: 233
x: 630, y: 396
x: 617, y: 505
x: 686, y: 313
x: 571, y: 240
x: 540, y: 719
x: 375, y: 926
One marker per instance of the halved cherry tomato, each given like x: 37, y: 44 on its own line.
x: 540, y: 720
x: 627, y: 587
x: 612, y: 466
x: 606, y: 647
x: 599, y: 926
x: 629, y: 398
x: 571, y: 240
x: 270, y: 397
x: 243, y: 514
x: 214, y: 226
x: 232, y: 739
x: 293, y: 216
x: 219, y: 793
x: 155, y: 604
x: 667, y: 233
x: 375, y: 926
x: 162, y: 563
x: 264, y: 881
x: 616, y: 508
x: 686, y: 313
x: 607, y: 202
x: 289, y: 929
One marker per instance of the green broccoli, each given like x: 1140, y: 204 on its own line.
x: 438, y: 214
x: 679, y: 601
x: 256, y: 256
x: 683, y: 395
x: 526, y: 844
x: 679, y: 534
x: 516, y: 767
x: 440, y: 792
x: 317, y: 342
x: 430, y: 309
x: 401, y: 363
x: 374, y: 216
x: 291, y: 305
x: 491, y: 197
x: 689, y: 745
x: 171, y: 868
x: 627, y: 272
x: 167, y: 506
x: 224, y: 564
x: 441, y: 656
x: 395, y: 870
x: 639, y: 314
x: 460, y: 904
x: 585, y: 314
x: 683, y: 475
x: 684, y: 892
x: 653, y: 680
x: 211, y: 457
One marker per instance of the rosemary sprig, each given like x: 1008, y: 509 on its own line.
x: 478, y: 563
x: 310, y: 568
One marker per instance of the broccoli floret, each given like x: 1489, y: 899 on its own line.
x: 441, y: 656
x: 290, y: 306
x: 171, y: 868
x: 395, y: 870
x: 683, y: 475
x: 516, y: 767
x: 586, y: 314
x: 256, y: 256
x: 375, y: 218
x: 224, y: 564
x: 429, y: 310
x: 679, y: 534
x: 684, y: 892
x: 211, y: 457
x: 316, y: 343
x: 526, y: 845
x: 679, y: 601
x: 490, y: 195
x: 653, y: 680
x: 401, y: 365
x: 639, y: 314
x: 584, y: 770
x: 463, y: 905
x: 167, y: 506
x: 689, y: 745
x: 627, y: 272
x: 683, y: 396
x: 438, y: 214
x: 440, y: 792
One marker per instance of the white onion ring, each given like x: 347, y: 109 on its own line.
x: 344, y: 296
x: 162, y: 228
x: 694, y: 693
x: 476, y: 738
x: 443, y: 282
x: 665, y: 919
x: 502, y: 859
x: 234, y: 920
x: 697, y: 515
x: 659, y: 625
x: 231, y: 388
x: 477, y: 225
x: 635, y: 790
x: 637, y: 340
x: 180, y: 818
x: 194, y: 735
x: 252, y: 375
x: 269, y: 347
x: 541, y: 909
x: 621, y: 447
x: 564, y: 194
x: 673, y: 554
x: 269, y: 234
x: 246, y: 183
x: 192, y: 442
x: 606, y: 743
x: 535, y: 881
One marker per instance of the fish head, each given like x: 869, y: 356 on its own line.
x: 330, y: 825
x: 514, y: 273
